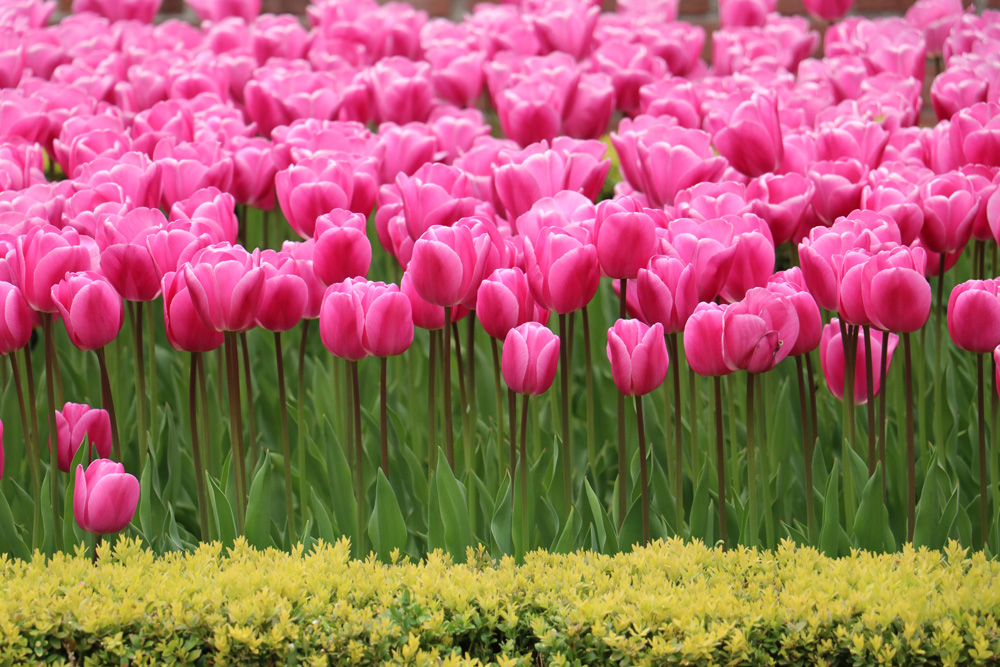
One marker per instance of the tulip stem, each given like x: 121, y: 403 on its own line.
x: 981, y: 409
x: 807, y: 449
x: 252, y: 423
x: 467, y: 446
x: 236, y: 428
x: 938, y: 361
x: 622, y: 463
x: 471, y: 366
x: 883, y: 371
x: 766, y: 462
x: 348, y: 413
x: 303, y: 422
x: 153, y: 404
x: 431, y: 407
x: 206, y: 432
x: 53, y: 448
x: 109, y: 402
x: 870, y: 388
x: 692, y: 415
x: 34, y: 454
x: 512, y: 418
x: 286, y: 450
x: 720, y: 458
x: 199, y: 467
x: 498, y: 391
x: 525, y: 535
x: 811, y: 385
x: 994, y: 463
x: 643, y: 472
x: 32, y: 405
x: 849, y: 339
x: 384, y: 415
x: 911, y: 467
x: 622, y: 289
x: 565, y: 455
x: 359, y: 458
x: 449, y: 437
x: 135, y: 319
x: 751, y: 537
x: 589, y: 378
x: 678, y: 443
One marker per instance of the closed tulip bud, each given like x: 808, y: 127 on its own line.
x: 668, y: 292
x: 703, y: 340
x: 529, y: 359
x: 185, y: 330
x: 16, y: 323
x: 974, y: 316
x: 225, y: 283
x: 342, y: 249
x: 759, y: 331
x: 91, y: 309
x: 283, y: 299
x: 126, y: 260
x: 831, y: 357
x: 896, y: 294
x: 828, y: 10
x: 638, y: 356
x: 105, y: 497
x: 76, y: 422
x: 443, y: 265
x: 625, y: 236
x: 45, y: 255
x: 744, y: 13
x: 950, y: 206
x: 505, y: 302
x: 342, y: 321
x: 388, y: 329
x: 753, y: 262
x: 852, y: 305
x: 302, y: 253
x: 563, y: 270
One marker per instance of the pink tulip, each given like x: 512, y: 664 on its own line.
x: 283, y: 299
x: 593, y: 103
x: 935, y: 18
x: 505, y: 302
x: 457, y: 73
x: 303, y: 252
x: 638, y: 356
x: 45, y: 255
x: 828, y: 10
x: 529, y: 359
x: 950, y: 206
x: 896, y: 294
x: 359, y: 318
x: 491, y: 253
x: 457, y: 130
x: 974, y: 316
x: 139, y: 179
x: 703, y: 340
x: 631, y: 66
x: 792, y: 285
x: 759, y: 331
x: 831, y: 357
x: 105, y: 497
x: 185, y: 330
x: 782, y: 201
x: 838, y: 187
x: 562, y: 210
x: 897, y: 196
x: 75, y: 422
x: 955, y: 89
x: 81, y: 140
x: 91, y: 309
x: 750, y: 13
x: 120, y: 10
x: 667, y: 292
x: 218, y: 10
x: 562, y: 267
x: 975, y: 134
x: 625, y: 236
x: 708, y: 247
x: 342, y: 249
x: 402, y: 90
x: 566, y: 26
x: 169, y: 119
x: 208, y: 211
x: 531, y: 111
x: 746, y: 131
x: 436, y: 194
x: 16, y: 323
x: 426, y: 315
x: 753, y: 261
x: 675, y: 97
x: 403, y: 149
x: 443, y: 265
x: 189, y: 167
x: 852, y: 305
x: 126, y: 260
x: 311, y: 188
x: 225, y: 284
x: 254, y: 171
x: 281, y: 36
x: 11, y: 60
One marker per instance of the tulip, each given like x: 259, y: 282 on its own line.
x: 283, y: 299
x: 708, y: 247
x: 208, y: 211
x: 225, y: 284
x: 436, y: 194
x: 828, y: 10
x: 185, y: 330
x: 974, y: 134
x: 342, y: 249
x: 402, y: 149
x: 703, y: 340
x: 749, y: 13
x: 402, y: 90
x: 625, y: 237
x: 209, y: 10
x: 667, y: 292
x: 91, y: 309
x: 126, y: 260
x: 759, y: 331
x: 443, y: 265
x: 105, y: 497
x: 190, y: 167
x: 753, y: 261
x: 974, y: 316
x: 838, y: 187
x: 896, y: 294
x: 955, y: 89
x: 505, y: 302
x: 254, y: 171
x: 76, y: 422
x: 562, y: 268
x: 313, y: 187
x: 457, y: 73
x: 831, y: 355
x: 120, y: 10
x: 782, y: 201
x: 950, y: 206
x: 45, y: 255
x: 747, y: 132
x: 16, y: 323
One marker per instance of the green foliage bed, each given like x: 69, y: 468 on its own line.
x: 670, y: 603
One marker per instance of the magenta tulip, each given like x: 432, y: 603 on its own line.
x: 105, y: 497
x: 505, y: 302
x: 703, y: 340
x: 625, y: 236
x: 896, y: 294
x: 361, y: 318
x: 974, y: 316
x: 427, y: 315
x: 638, y: 356
x: 16, y: 323
x: 759, y: 331
x: 529, y: 359
x: 828, y: 10
x: 838, y: 187
x: 746, y: 131
x: 185, y: 330
x: 342, y: 249
x: 443, y: 265
x: 75, y: 422
x: 831, y: 357
x: 950, y: 206
x: 283, y: 299
x: 782, y: 201
x: 744, y: 13
x: 91, y: 309
x: 667, y: 292
x: 45, y: 255
x: 562, y: 268
x: 225, y: 283
x: 313, y: 187
x: 126, y: 260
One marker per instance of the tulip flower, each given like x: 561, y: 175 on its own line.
x: 638, y: 356
x: 283, y: 299
x: 215, y: 10
x: 625, y: 237
x: 832, y: 360
x: 185, y: 330
x: 16, y: 324
x: 838, y: 187
x: 950, y: 207
x: 74, y: 423
x: 563, y: 269
x: 91, y: 309
x: 748, y: 13
x: 828, y: 10
x: 342, y: 249
x: 759, y: 331
x: 747, y: 132
x: 225, y: 283
x: 126, y: 260
x: 667, y: 291
x: 105, y: 497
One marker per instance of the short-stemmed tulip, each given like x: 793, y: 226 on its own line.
x: 105, y: 497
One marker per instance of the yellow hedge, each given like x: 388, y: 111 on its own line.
x: 670, y: 603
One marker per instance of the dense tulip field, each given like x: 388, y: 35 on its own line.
x: 572, y: 282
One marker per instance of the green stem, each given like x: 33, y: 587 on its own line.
x: 939, y: 397
x: 199, y: 467
x: 765, y: 458
x: 911, y: 466
x: 807, y: 449
x: 567, y: 464
x: 870, y: 388
x: 498, y: 392
x: 994, y: 440
x: 720, y: 458
x: 733, y: 458
x: 883, y: 370
x: 678, y: 441
x: 512, y: 418
x: 109, y: 402
x: 248, y: 382
x: 384, y: 415
x: 236, y: 428
x: 53, y: 449
x: 692, y: 414
x: 811, y: 385
x: 431, y: 407
x: 981, y: 409
x: 286, y: 448
x: 622, y: 463
x: 446, y: 380
x: 751, y: 538
x: 470, y: 363
x: 467, y: 445
x: 589, y: 378
x: 303, y: 423
x: 359, y: 458
x: 643, y: 472
x: 34, y: 453
x: 849, y: 339
x: 135, y: 319
x: 525, y: 534
x: 154, y: 405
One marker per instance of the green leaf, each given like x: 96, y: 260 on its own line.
x: 10, y: 541
x: 606, y: 533
x: 829, y: 536
x: 72, y: 533
x: 567, y: 542
x: 701, y: 518
x: 872, y: 519
x: 454, y: 512
x: 934, y: 523
x: 500, y: 525
x: 324, y: 525
x: 222, y: 512
x: 386, y: 527
x: 258, y: 523
x: 630, y: 534
x: 146, y: 499
x: 342, y: 485
x: 48, y: 520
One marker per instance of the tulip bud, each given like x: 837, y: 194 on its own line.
x: 529, y: 360
x: 638, y: 356
x: 105, y: 497
x: 91, y: 309
x: 74, y: 423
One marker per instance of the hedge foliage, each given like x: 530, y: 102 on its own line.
x: 670, y: 603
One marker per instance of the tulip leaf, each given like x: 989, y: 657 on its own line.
x: 630, y: 534
x: 829, y: 537
x: 606, y: 534
x: 500, y: 525
x: 963, y: 525
x: 701, y: 518
x: 48, y: 521
x: 324, y: 525
x: 933, y: 523
x: 72, y: 533
x: 870, y: 525
x: 341, y: 485
x: 435, y: 527
x: 568, y: 539
x: 454, y: 512
x: 386, y: 527
x: 146, y: 500
x: 10, y: 542
x: 258, y: 522
x: 222, y: 512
